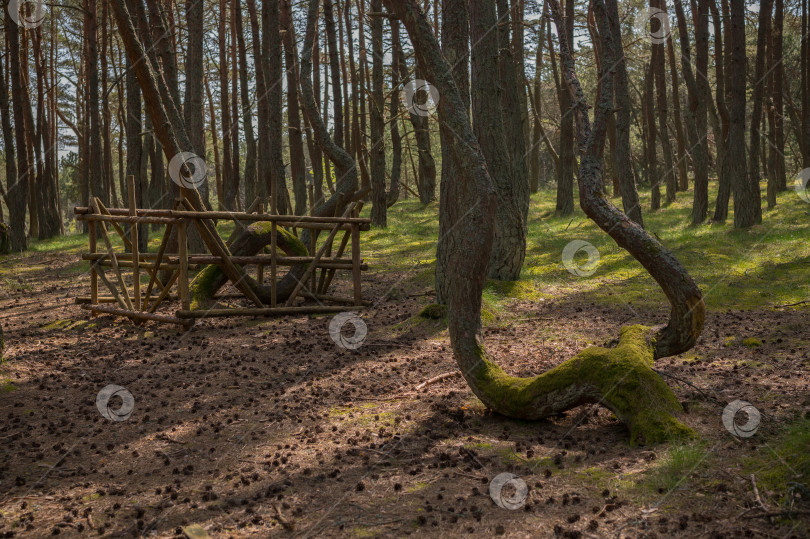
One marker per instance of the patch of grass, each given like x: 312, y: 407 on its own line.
x: 57, y: 324
x: 674, y: 468
x: 752, y: 342
x: 736, y: 269
x: 782, y: 465
x: 7, y: 386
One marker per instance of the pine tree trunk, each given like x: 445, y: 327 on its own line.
x: 393, y: 112
x: 378, y: 196
x: 722, y: 27
x: 455, y: 32
x: 295, y: 135
x: 509, y: 245
x: 659, y: 63
x: 621, y: 151
x: 18, y: 191
x: 752, y: 214
x: 247, y: 109
x: 565, y: 177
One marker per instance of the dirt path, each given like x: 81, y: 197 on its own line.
x: 256, y: 428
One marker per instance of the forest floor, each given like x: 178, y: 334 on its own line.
x: 265, y: 427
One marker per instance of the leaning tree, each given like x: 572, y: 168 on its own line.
x: 620, y: 378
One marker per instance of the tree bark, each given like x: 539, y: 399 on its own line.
x: 251, y: 177
x: 680, y: 136
x: 659, y: 69
x: 455, y: 32
x: 378, y: 195
x: 565, y: 177
x: 295, y: 135
x: 621, y: 151
x: 752, y: 214
x: 271, y: 60
x: 696, y: 115
x: 393, y: 113
x: 509, y: 245
x: 16, y: 217
x: 18, y: 191
x: 722, y: 27
x: 735, y: 148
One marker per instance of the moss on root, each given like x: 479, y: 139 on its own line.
x: 619, y: 378
x: 211, y: 278
x: 433, y: 311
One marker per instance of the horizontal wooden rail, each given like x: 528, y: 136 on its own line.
x: 269, y: 311
x: 173, y: 259
x: 147, y: 219
x: 140, y: 315
x: 296, y: 220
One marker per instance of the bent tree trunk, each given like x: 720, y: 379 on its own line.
x: 620, y: 378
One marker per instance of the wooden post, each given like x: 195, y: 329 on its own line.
x: 358, y: 297
x: 133, y: 232
x: 182, y: 280
x: 113, y: 259
x: 93, y: 273
x: 273, y: 254
x: 260, y: 267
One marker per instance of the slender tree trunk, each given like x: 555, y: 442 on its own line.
x: 778, y: 148
x: 212, y: 125
x: 229, y: 185
x: 193, y: 109
x: 735, y: 149
x: 512, y: 101
x: 455, y: 32
x: 247, y: 108
x: 722, y: 27
x: 752, y: 214
x: 271, y: 58
x: 334, y: 70
x: 565, y: 178
x: 680, y: 136
x: 659, y: 63
x: 536, y: 172
x: 696, y: 116
x: 393, y: 113
x: 518, y: 8
x: 377, y: 103
x: 295, y: 136
x: 16, y: 210
x: 621, y: 151
x: 650, y: 137
x: 18, y: 191
x: 234, y: 104
x: 509, y: 245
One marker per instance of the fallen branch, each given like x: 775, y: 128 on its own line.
x: 786, y: 513
x: 436, y: 379
x: 756, y: 493
x: 792, y: 304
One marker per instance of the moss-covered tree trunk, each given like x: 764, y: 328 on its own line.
x: 620, y: 378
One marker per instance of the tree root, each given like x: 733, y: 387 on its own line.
x: 620, y: 378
